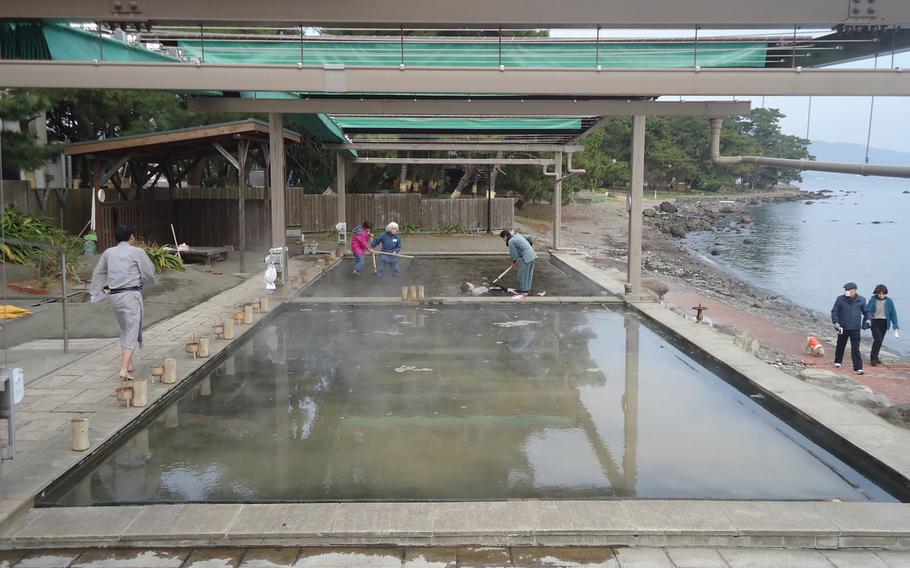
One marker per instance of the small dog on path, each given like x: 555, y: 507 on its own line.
x: 814, y: 346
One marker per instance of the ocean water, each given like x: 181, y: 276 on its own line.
x: 807, y: 252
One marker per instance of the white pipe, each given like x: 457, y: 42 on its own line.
x: 571, y: 172
x: 836, y: 167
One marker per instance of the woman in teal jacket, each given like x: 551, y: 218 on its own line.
x: 882, y: 316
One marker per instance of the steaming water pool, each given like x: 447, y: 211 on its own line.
x: 471, y: 403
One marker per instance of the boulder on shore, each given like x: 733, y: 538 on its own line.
x: 678, y: 231
x: 649, y: 213
x: 745, y: 220
x: 668, y: 207
x: 727, y: 208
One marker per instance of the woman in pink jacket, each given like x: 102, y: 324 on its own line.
x: 360, y: 244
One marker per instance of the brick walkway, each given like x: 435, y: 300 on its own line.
x: 892, y: 382
x: 487, y: 557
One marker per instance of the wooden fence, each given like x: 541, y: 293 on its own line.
x: 208, y: 217
x: 315, y: 213
x: 69, y: 209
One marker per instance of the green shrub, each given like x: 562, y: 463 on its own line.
x: 162, y: 257
x: 17, y: 225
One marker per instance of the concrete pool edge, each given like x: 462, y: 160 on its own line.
x: 867, y: 433
x: 726, y: 524
x: 519, y: 523
x: 39, y: 465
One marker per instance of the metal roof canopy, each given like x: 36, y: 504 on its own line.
x: 477, y: 13
x: 178, y: 143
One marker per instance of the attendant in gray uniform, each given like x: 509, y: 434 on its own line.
x: 523, y: 257
x: 121, y: 273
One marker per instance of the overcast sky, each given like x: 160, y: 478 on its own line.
x: 833, y: 119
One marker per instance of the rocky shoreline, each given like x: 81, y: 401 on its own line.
x: 692, y: 214
x: 600, y: 232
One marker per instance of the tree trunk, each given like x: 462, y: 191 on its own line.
x: 403, y: 179
x: 464, y: 181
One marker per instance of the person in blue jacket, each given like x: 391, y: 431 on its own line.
x: 389, y: 242
x: 882, y: 316
x: 849, y: 316
x: 523, y: 258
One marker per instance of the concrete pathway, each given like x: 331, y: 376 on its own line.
x: 86, y: 389
x: 492, y: 557
x: 891, y: 380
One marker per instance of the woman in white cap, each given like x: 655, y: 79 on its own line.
x: 390, y: 243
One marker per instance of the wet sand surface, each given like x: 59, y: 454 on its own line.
x: 441, y: 277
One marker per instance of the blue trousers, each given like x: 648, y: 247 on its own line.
x: 525, y: 275
x: 392, y: 261
x: 358, y: 263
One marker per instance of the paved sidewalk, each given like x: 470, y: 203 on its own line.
x: 891, y: 382
x: 492, y: 557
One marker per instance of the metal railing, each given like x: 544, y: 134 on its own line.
x: 63, y: 295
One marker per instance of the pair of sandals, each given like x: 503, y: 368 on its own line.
x: 128, y: 376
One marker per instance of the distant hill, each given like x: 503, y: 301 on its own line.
x: 856, y: 153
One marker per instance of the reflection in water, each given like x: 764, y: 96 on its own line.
x: 476, y: 403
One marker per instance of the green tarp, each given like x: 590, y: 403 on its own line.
x: 546, y: 55
x: 73, y: 44
x: 393, y: 123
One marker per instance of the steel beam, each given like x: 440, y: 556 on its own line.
x: 473, y: 108
x: 474, y: 13
x: 504, y: 161
x: 454, y: 147
x: 546, y: 82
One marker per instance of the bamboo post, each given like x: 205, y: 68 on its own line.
x: 404, y: 293
x: 248, y: 314
x: 205, y: 386
x: 264, y: 304
x: 229, y: 329
x: 140, y: 392
x: 420, y: 293
x: 412, y: 293
x: 80, y: 434
x: 204, y: 346
x: 170, y: 371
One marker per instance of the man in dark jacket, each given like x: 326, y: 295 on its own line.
x: 849, y: 316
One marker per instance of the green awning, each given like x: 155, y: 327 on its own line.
x: 541, y: 55
x: 494, y: 125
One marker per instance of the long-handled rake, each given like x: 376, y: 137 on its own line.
x: 413, y: 258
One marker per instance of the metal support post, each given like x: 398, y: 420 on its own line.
x: 636, y: 194
x: 277, y: 179
x: 557, y: 202
x: 66, y: 338
x: 340, y: 174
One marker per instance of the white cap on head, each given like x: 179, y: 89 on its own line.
x: 392, y: 226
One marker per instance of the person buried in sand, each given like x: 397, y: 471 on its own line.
x: 390, y: 244
x: 120, y: 274
x: 523, y: 257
